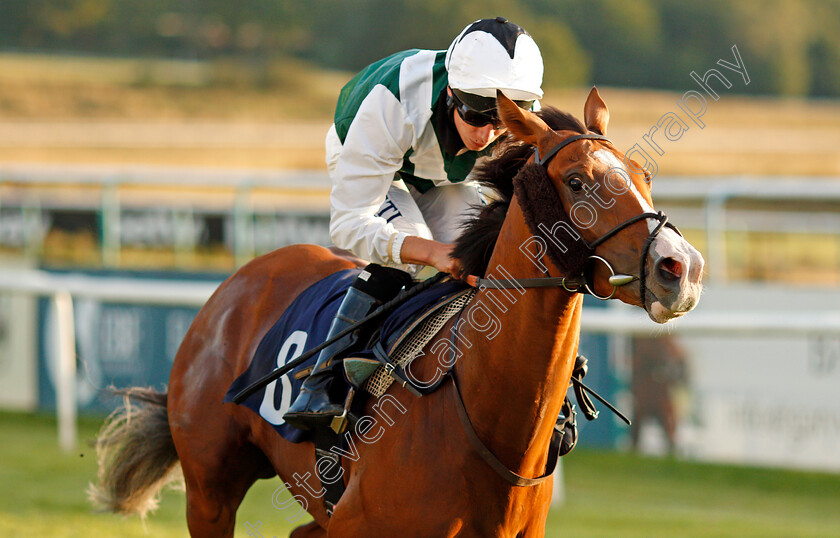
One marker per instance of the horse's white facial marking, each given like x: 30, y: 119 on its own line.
x: 668, y: 240
x: 609, y: 159
x: 667, y: 244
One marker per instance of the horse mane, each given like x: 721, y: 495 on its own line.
x: 475, y: 244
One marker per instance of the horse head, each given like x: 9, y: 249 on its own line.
x: 593, y: 207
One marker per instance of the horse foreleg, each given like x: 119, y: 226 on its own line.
x: 311, y: 530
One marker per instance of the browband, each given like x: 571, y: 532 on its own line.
x: 543, y: 161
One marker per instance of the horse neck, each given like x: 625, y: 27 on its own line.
x: 514, y: 383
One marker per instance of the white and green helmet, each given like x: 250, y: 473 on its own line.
x: 495, y: 54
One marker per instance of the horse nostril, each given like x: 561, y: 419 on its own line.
x: 669, y: 269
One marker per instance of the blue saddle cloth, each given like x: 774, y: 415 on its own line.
x: 303, y: 326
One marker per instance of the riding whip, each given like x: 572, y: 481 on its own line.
x: 384, y: 309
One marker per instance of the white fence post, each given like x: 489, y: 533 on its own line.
x: 66, y: 379
x: 61, y: 288
x: 716, y: 261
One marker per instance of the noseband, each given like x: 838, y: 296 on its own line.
x: 583, y: 283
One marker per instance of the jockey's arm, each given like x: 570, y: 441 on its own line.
x: 373, y: 151
x: 417, y: 250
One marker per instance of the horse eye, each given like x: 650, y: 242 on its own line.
x: 576, y: 184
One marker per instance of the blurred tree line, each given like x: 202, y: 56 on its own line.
x: 790, y: 47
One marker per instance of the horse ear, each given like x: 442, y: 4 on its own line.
x: 595, y: 113
x: 524, y: 125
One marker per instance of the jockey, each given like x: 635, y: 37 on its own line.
x: 408, y: 130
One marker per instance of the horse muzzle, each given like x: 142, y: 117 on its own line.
x: 674, y: 277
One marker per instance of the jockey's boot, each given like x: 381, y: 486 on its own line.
x: 374, y: 286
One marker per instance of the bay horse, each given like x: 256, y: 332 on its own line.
x: 415, y: 473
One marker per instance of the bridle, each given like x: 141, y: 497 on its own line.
x: 583, y: 282
x: 579, y: 284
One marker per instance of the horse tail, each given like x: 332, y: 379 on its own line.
x: 135, y: 454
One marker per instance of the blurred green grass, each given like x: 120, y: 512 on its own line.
x: 611, y: 494
x: 43, y: 491
x: 607, y: 494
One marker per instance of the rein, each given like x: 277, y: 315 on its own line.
x: 583, y: 283
x: 554, y: 446
x: 488, y: 456
x: 402, y: 297
x: 399, y: 373
x: 577, y: 284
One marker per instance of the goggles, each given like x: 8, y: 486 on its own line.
x: 479, y: 111
x: 474, y: 117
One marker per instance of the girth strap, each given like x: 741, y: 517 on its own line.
x: 326, y: 441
